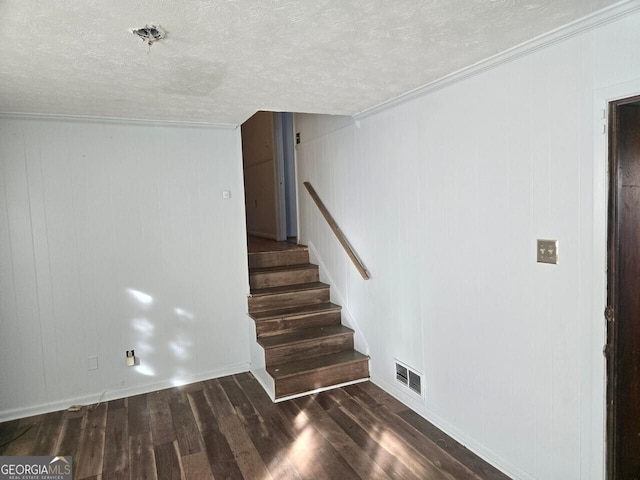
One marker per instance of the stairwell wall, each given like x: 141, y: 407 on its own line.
x: 443, y: 197
x: 115, y: 236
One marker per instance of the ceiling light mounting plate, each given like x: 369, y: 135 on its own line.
x: 150, y: 33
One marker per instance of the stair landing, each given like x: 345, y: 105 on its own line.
x: 300, y: 344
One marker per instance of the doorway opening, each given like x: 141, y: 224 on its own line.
x: 623, y: 291
x: 269, y: 176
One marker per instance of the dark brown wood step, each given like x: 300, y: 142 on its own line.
x: 286, y: 296
x: 279, y: 276
x: 319, y: 372
x: 306, y: 343
x: 261, y: 244
x: 294, y: 311
x: 278, y: 258
x: 283, y: 320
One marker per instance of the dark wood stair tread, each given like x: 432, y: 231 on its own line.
x: 305, y: 346
x: 264, y: 245
x: 288, y: 288
x: 315, y: 363
x: 304, y: 335
x: 295, y: 311
x: 284, y: 268
x: 278, y: 258
x: 284, y: 249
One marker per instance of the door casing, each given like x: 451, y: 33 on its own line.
x: 613, y: 349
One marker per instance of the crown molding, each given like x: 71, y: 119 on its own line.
x: 115, y: 120
x: 585, y: 24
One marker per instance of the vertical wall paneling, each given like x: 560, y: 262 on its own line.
x: 115, y: 236
x: 443, y: 197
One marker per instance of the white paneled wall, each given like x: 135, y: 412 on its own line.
x: 443, y: 197
x: 113, y: 237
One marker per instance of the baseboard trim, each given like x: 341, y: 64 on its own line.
x: 321, y: 389
x: 120, y: 393
x: 258, y: 366
x: 266, y: 381
x: 477, y: 448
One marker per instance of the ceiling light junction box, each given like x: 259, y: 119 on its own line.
x: 150, y: 33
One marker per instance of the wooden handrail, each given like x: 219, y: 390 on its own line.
x: 338, y: 233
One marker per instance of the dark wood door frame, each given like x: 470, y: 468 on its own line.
x: 613, y: 346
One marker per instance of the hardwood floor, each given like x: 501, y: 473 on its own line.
x: 228, y: 428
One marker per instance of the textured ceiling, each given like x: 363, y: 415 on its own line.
x: 224, y: 59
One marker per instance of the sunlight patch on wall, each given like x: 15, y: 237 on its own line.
x: 180, y: 378
x: 143, y: 326
x: 180, y: 348
x: 143, y: 299
x: 146, y: 370
x: 183, y: 313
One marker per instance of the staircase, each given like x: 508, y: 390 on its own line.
x: 301, y: 344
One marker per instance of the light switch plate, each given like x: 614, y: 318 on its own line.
x: 93, y: 362
x: 547, y: 251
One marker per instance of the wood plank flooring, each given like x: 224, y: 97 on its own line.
x: 228, y: 428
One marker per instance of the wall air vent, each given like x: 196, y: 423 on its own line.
x: 415, y: 382
x: 409, y: 377
x: 402, y: 374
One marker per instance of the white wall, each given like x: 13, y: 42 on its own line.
x: 443, y: 197
x: 91, y: 212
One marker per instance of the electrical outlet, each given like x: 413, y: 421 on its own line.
x: 547, y: 251
x: 131, y: 358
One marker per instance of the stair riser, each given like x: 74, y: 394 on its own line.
x: 278, y: 259
x: 280, y: 279
x: 321, y: 378
x: 290, y: 299
x: 304, y: 350
x: 277, y: 326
